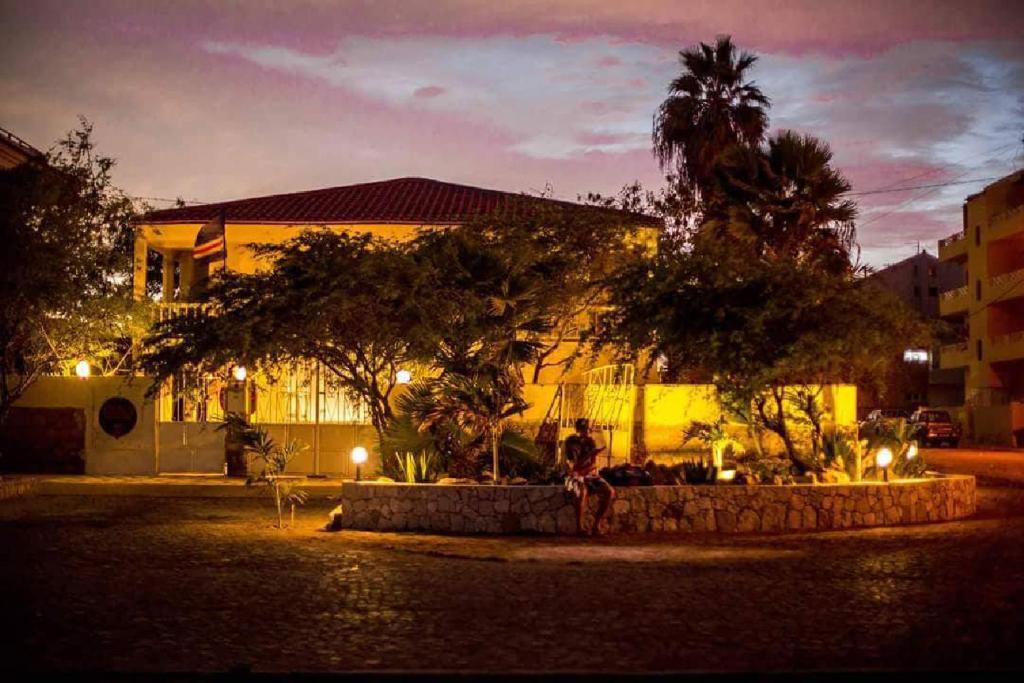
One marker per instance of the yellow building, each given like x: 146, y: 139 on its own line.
x: 303, y: 396
x: 989, y: 309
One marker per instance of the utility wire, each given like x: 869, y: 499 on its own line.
x: 922, y: 187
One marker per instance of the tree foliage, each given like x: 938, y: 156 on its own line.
x: 710, y: 107
x: 65, y: 267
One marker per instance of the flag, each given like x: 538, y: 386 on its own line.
x: 210, y: 240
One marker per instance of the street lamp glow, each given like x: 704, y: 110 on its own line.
x: 82, y: 369
x: 883, y: 458
x: 359, y: 457
x: 239, y: 373
x: 403, y: 377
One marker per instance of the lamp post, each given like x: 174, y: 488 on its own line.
x: 82, y: 369
x: 359, y: 456
x: 883, y: 458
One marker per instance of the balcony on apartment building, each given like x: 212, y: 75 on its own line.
x: 953, y: 301
x: 1006, y: 347
x: 954, y: 356
x: 1007, y: 224
x: 954, y: 247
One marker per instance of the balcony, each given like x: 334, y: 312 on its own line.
x: 1006, y: 223
x: 181, y: 310
x: 954, y: 356
x: 1007, y: 347
x: 1007, y: 285
x: 953, y: 302
x: 953, y: 248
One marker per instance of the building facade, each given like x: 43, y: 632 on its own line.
x: 917, y: 379
x: 989, y: 310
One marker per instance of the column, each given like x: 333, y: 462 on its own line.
x: 168, y: 277
x: 139, y: 267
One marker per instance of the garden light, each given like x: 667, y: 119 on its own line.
x: 883, y: 458
x: 82, y: 369
x: 403, y: 377
x: 239, y: 373
x: 359, y: 456
x: 912, y: 450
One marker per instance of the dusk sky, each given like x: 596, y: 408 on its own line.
x: 219, y: 100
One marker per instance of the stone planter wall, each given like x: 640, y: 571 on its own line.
x: 722, y: 508
x: 14, y: 487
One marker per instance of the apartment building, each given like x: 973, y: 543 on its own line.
x: 989, y: 309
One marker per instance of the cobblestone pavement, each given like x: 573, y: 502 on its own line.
x: 176, y: 584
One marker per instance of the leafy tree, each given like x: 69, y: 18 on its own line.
x: 710, y: 107
x: 65, y: 268
x: 763, y: 297
x: 354, y: 303
x: 784, y: 200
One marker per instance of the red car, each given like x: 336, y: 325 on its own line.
x: 934, y: 427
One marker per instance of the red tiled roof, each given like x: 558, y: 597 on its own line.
x: 402, y: 200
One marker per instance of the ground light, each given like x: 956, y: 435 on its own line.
x: 883, y: 458
x: 239, y: 373
x: 82, y: 369
x: 359, y: 456
x: 912, y: 450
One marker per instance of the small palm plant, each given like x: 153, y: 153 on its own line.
x: 260, y: 446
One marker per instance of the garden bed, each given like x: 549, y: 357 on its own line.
x: 709, y: 508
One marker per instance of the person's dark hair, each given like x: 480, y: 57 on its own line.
x: 582, y: 424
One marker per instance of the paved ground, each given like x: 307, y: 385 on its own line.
x: 1000, y: 465
x: 136, y: 583
x: 177, y: 584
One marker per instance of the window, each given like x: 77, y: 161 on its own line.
x: 933, y: 292
x: 917, y: 291
x: 977, y: 235
x: 978, y: 349
x: 931, y: 271
x: 977, y: 290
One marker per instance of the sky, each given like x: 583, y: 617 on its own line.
x: 219, y: 100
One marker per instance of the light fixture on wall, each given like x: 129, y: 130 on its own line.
x: 403, y: 377
x: 359, y: 456
x: 239, y: 373
x: 82, y: 369
x: 883, y: 458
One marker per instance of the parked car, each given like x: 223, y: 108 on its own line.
x: 934, y: 427
x: 882, y: 417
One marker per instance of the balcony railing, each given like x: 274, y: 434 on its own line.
x: 959, y: 347
x: 1010, y: 338
x: 1008, y: 214
x: 946, y: 241
x: 951, y: 294
x: 1006, y: 283
x: 181, y: 310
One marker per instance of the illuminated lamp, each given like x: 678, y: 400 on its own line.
x: 359, y: 456
x: 883, y: 458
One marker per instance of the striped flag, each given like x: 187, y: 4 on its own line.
x: 210, y: 240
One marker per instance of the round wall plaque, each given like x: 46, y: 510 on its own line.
x: 118, y: 416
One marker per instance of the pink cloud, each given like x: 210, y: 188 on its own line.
x: 428, y: 92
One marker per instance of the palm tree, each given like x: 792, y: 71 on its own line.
x: 787, y: 201
x: 710, y: 107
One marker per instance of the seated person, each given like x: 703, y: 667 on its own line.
x: 583, y: 479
